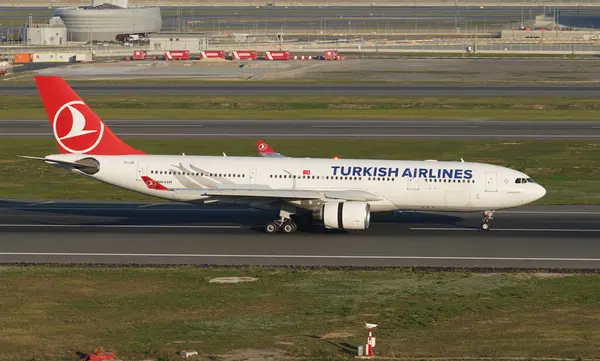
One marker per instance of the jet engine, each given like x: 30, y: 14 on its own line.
x: 88, y: 165
x: 346, y: 215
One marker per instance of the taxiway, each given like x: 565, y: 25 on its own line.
x: 121, y: 233
x: 358, y: 89
x: 349, y: 129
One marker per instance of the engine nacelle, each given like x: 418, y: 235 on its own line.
x: 346, y: 215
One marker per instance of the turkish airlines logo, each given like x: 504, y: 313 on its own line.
x: 69, y: 126
x: 262, y: 147
x: 150, y: 183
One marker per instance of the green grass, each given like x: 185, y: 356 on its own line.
x: 50, y: 313
x: 568, y: 169
x: 332, y: 107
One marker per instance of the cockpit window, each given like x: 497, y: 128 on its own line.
x: 524, y: 180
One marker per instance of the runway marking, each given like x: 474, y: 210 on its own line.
x: 146, y: 125
x: 130, y: 208
x: 395, y: 126
x: 41, y: 203
x: 352, y: 135
x: 442, y: 229
x: 32, y: 225
x: 287, y: 256
x: 504, y: 229
x: 550, y: 212
x: 150, y: 205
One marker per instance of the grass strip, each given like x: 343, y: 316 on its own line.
x: 568, y: 169
x: 306, y: 107
x: 318, y: 314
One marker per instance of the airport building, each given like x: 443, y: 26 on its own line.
x: 545, y: 27
x: 53, y: 33
x: 178, y: 41
x: 104, y: 20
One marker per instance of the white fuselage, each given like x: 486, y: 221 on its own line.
x: 402, y: 185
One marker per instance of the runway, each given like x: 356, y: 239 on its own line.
x: 117, y: 233
x: 348, y: 129
x: 358, y: 89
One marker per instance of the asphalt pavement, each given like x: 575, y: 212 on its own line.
x: 348, y: 129
x: 118, y: 233
x: 358, y: 89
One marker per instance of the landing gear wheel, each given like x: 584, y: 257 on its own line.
x: 485, y: 221
x: 271, y: 227
x: 289, y: 227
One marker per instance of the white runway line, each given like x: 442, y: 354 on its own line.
x: 145, y: 125
x: 286, y: 256
x: 313, y: 135
x: 30, y: 225
x: 504, y: 229
x: 395, y: 126
x: 41, y: 203
x: 129, y: 208
x: 550, y: 212
x: 150, y: 205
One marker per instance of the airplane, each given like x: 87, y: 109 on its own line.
x: 264, y: 150
x: 336, y: 194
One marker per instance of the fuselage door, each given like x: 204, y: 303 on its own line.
x: 142, y: 169
x: 413, y: 183
x: 490, y: 182
x: 252, y: 177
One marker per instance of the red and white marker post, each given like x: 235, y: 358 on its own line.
x: 370, y: 339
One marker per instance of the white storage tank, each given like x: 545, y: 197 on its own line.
x: 104, y: 22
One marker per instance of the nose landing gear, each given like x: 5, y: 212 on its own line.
x: 485, y: 220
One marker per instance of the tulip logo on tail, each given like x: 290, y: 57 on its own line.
x: 72, y: 131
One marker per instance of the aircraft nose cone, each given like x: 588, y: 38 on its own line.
x: 541, y: 191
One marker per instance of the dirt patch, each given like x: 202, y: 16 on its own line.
x: 336, y: 335
x: 253, y: 355
x: 551, y: 275
x: 232, y: 279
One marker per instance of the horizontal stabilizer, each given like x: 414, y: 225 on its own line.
x: 76, y: 165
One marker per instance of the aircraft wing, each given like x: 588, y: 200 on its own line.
x: 296, y: 194
x: 349, y: 195
x: 265, y: 151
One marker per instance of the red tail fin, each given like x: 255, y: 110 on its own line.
x: 263, y: 147
x: 76, y: 127
x: 152, y: 184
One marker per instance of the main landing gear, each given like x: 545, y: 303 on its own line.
x: 281, y: 225
x: 485, y: 220
x: 285, y: 224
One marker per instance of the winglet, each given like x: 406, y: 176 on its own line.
x: 152, y: 184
